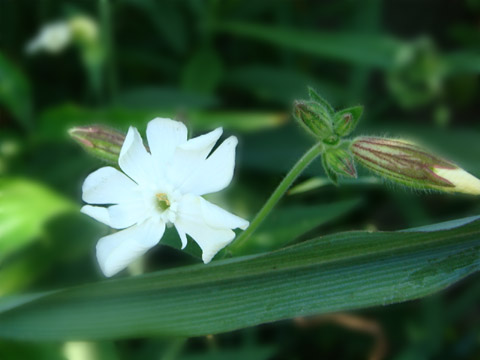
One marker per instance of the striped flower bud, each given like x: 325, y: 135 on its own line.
x: 409, y: 164
x: 339, y: 161
x: 316, y: 119
x: 100, y: 141
x: 346, y: 120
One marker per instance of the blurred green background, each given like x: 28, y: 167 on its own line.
x: 240, y: 64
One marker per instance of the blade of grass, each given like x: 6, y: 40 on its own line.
x: 333, y: 273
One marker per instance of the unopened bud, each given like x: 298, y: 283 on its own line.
x: 346, y: 120
x: 340, y: 161
x: 100, y: 141
x: 409, y: 164
x: 84, y: 29
x: 314, y: 96
x: 315, y: 118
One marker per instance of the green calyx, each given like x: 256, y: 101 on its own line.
x: 321, y: 120
x: 402, y: 161
x: 100, y: 141
x: 314, y: 118
x: 346, y: 120
x: 328, y: 126
x: 338, y: 161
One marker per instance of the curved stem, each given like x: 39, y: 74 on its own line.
x: 281, y: 189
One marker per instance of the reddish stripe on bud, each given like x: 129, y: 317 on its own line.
x: 100, y: 141
x: 402, y: 161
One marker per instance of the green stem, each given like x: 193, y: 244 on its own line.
x: 281, y: 189
x: 107, y: 40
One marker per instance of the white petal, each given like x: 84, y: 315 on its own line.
x: 215, y: 173
x: 164, y: 135
x: 107, y: 185
x: 182, y: 236
x: 191, y: 220
x: 463, y: 181
x: 124, y: 215
x: 134, y: 159
x: 52, y: 38
x: 116, y: 251
x: 217, y: 217
x: 99, y: 213
x: 190, y: 156
x: 203, y: 143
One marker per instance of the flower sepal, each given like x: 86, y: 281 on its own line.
x: 346, y: 120
x: 338, y: 161
x: 315, y: 118
x: 407, y: 163
x: 100, y: 141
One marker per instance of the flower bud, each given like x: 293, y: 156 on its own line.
x: 407, y: 163
x: 100, y: 141
x: 346, y: 120
x: 314, y: 96
x: 339, y: 160
x: 84, y: 29
x: 316, y: 119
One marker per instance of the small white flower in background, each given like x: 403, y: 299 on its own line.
x: 159, y: 188
x: 53, y: 38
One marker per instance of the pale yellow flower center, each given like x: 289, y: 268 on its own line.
x: 162, y: 200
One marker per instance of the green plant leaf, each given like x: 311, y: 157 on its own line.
x: 367, y: 49
x: 286, y: 224
x: 203, y: 72
x: 155, y: 97
x: 15, y: 92
x: 277, y: 84
x: 168, y: 20
x: 256, y: 352
x: 332, y: 273
x: 25, y: 207
x: 462, y: 62
x: 56, y: 121
x: 318, y: 182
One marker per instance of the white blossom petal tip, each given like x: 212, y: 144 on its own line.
x: 115, y: 252
x: 462, y: 181
x: 53, y: 38
x: 98, y: 213
x: 107, y: 185
x: 208, y: 224
x: 164, y: 136
x: 159, y: 187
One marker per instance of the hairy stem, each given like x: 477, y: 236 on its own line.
x: 281, y: 189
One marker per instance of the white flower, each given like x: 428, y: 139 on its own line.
x: 159, y: 188
x: 462, y: 181
x: 53, y: 38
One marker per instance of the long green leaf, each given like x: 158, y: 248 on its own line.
x: 55, y: 121
x: 286, y: 224
x: 366, y: 49
x: 277, y: 84
x: 157, y: 97
x: 333, y: 273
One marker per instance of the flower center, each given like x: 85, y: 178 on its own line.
x: 162, y: 201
